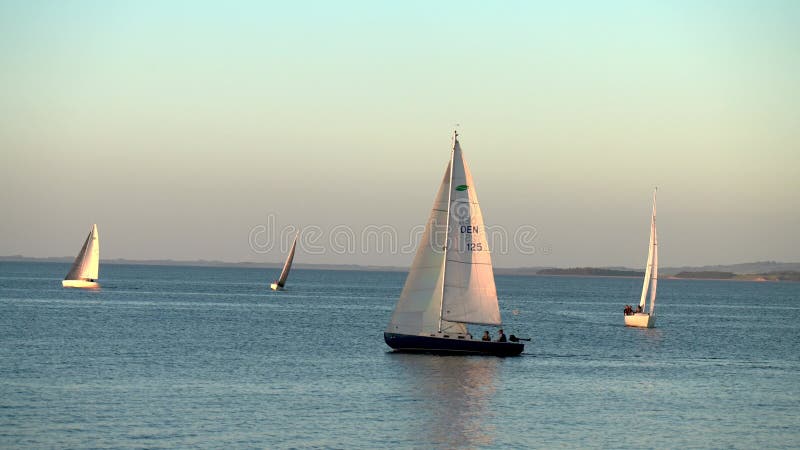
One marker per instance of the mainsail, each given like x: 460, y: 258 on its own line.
x: 651, y: 271
x: 87, y: 263
x: 469, y: 293
x: 449, y: 285
x: 287, y: 266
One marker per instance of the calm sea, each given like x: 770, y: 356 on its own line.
x: 177, y: 357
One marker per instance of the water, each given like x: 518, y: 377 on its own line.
x: 176, y: 357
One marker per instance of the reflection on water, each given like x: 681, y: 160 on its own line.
x: 644, y: 341
x: 453, y: 394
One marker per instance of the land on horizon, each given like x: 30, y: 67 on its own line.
x: 758, y: 271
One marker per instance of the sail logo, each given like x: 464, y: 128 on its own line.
x: 462, y: 187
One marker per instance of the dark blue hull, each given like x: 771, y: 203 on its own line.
x: 450, y: 346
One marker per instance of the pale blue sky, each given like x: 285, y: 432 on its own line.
x: 178, y: 127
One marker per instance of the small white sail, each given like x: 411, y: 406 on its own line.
x: 87, y: 264
x: 651, y: 271
x: 287, y: 266
x: 469, y: 293
x: 86, y: 267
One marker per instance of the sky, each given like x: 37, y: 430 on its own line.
x: 207, y: 130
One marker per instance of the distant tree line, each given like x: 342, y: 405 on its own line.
x: 768, y: 276
x: 591, y: 271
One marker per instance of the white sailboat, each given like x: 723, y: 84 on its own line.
x: 451, y: 282
x: 85, y: 270
x: 287, y: 266
x: 642, y: 318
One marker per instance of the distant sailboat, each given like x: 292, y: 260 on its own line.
x: 640, y: 318
x: 287, y: 266
x: 451, y: 282
x: 85, y: 269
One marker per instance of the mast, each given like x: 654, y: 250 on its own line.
x: 447, y: 228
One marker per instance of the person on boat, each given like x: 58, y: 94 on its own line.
x: 502, y: 336
x: 486, y: 336
x: 628, y: 310
x: 638, y: 308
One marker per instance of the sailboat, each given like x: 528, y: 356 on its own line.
x: 451, y: 282
x: 287, y: 266
x: 84, y: 271
x: 641, y: 318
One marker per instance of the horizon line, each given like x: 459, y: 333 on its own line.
x: 266, y: 264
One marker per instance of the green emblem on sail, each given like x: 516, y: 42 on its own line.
x: 462, y: 187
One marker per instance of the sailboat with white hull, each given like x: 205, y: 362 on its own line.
x: 287, y: 266
x: 451, y: 282
x: 85, y: 270
x: 640, y: 318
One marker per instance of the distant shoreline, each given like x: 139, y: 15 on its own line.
x: 756, y: 271
x: 207, y: 263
